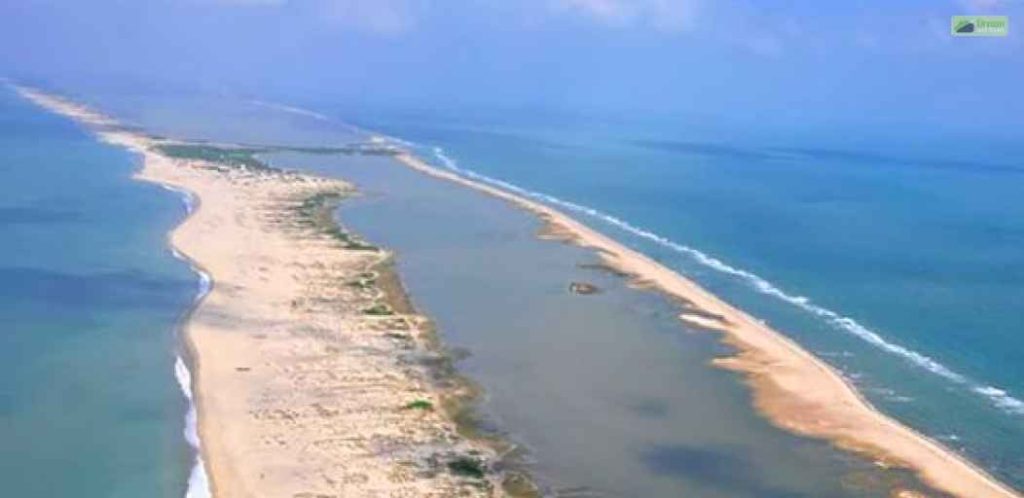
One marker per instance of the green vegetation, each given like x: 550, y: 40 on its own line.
x: 467, y: 467
x: 519, y: 485
x: 365, y: 281
x: 366, y: 149
x: 315, y: 212
x: 379, y: 310
x: 361, y: 284
x: 420, y: 404
x: 230, y: 156
x: 313, y: 205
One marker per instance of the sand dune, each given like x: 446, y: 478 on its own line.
x: 305, y: 355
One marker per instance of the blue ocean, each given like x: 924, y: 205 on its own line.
x: 90, y: 299
x: 892, y: 255
x: 895, y: 255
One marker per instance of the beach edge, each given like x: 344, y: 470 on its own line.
x: 791, y: 387
x: 212, y: 472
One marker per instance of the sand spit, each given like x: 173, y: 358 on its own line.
x: 310, y: 381
x: 793, y: 388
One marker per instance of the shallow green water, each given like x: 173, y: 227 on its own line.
x: 89, y: 301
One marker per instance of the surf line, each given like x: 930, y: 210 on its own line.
x: 198, y: 481
x: 998, y: 397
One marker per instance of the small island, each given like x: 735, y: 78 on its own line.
x: 583, y: 288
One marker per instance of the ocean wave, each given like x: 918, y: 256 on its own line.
x: 996, y: 396
x: 187, y: 199
x: 1001, y: 399
x: 300, y: 111
x: 205, y: 284
x: 290, y: 109
x: 198, y: 482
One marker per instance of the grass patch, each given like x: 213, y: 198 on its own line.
x: 519, y: 485
x: 231, y: 156
x: 246, y: 155
x: 420, y: 404
x: 315, y: 212
x: 365, y: 149
x: 361, y: 284
x: 316, y: 204
x: 365, y: 281
x: 379, y: 310
x: 467, y: 467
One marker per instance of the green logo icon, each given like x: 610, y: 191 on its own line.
x: 980, y: 26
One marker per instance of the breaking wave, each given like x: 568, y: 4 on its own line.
x: 198, y: 481
x: 996, y: 396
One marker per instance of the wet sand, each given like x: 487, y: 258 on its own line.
x: 307, y: 371
x: 791, y: 387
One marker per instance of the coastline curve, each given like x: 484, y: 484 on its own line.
x: 791, y: 387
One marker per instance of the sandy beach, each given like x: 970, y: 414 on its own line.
x: 308, y: 364
x: 304, y: 351
x: 790, y: 386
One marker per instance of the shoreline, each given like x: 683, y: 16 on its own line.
x: 198, y: 483
x: 791, y: 387
x: 304, y: 384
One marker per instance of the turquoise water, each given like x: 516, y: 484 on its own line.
x: 897, y: 264
x: 894, y: 255
x: 89, y: 301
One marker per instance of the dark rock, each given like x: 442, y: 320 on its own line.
x: 583, y: 288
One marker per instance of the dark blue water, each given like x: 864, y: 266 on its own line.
x: 897, y: 256
x: 89, y: 301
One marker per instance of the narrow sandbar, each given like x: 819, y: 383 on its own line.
x: 793, y: 388
x: 302, y: 391
x: 306, y: 363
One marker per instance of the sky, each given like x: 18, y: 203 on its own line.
x: 820, y: 62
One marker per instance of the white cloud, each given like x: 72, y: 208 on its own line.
x: 374, y: 16
x: 243, y: 3
x: 377, y: 16
x: 663, y: 15
x: 611, y: 11
x: 977, y: 6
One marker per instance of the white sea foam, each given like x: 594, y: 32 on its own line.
x: 205, y: 283
x: 187, y: 198
x: 996, y: 396
x: 198, y: 481
x: 291, y: 109
x: 999, y: 398
x: 184, y: 377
